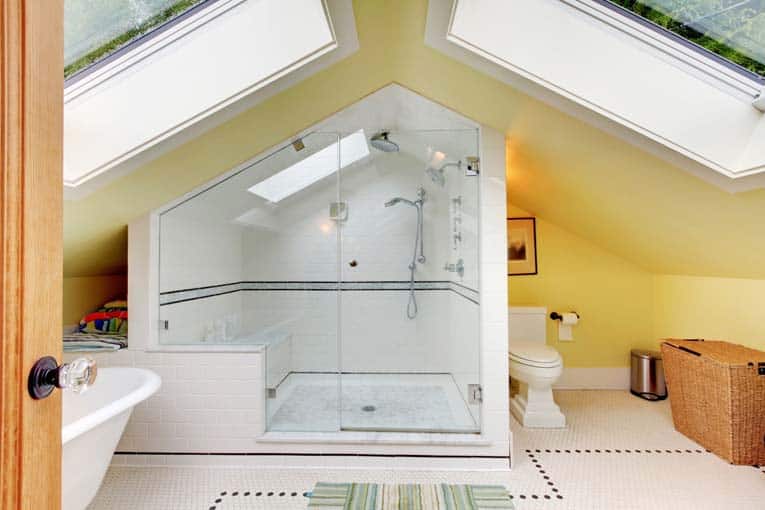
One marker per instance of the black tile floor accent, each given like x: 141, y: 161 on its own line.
x: 220, y: 499
x: 554, y: 493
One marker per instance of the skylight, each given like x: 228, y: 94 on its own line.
x: 313, y: 168
x: 95, y: 30
x: 732, y: 29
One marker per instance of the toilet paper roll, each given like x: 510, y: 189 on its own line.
x: 569, y: 319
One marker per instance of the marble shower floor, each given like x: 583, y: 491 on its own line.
x: 384, y: 402
x: 618, y: 453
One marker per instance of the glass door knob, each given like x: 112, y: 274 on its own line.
x: 46, y: 375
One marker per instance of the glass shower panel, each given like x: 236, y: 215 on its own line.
x: 409, y: 354
x: 253, y: 261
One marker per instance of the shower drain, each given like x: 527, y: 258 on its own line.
x: 369, y: 409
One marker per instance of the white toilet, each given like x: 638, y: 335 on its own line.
x: 536, y: 366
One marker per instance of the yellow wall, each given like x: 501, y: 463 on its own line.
x: 589, y: 182
x: 616, y: 215
x: 85, y: 294
x: 613, y: 297
x: 713, y: 308
x: 624, y: 306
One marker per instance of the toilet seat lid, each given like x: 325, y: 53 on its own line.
x: 534, y: 353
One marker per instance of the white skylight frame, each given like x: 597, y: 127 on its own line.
x: 126, y: 49
x: 299, y: 39
x: 698, y: 61
x: 312, y: 169
x: 676, y: 37
x: 694, y: 116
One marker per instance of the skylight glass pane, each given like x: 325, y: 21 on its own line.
x: 94, y: 29
x: 313, y: 168
x: 732, y: 29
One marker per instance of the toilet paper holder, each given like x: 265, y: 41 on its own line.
x: 558, y: 317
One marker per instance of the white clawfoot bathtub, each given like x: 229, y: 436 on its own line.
x: 93, y: 423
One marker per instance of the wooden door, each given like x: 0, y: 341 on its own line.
x: 31, y: 124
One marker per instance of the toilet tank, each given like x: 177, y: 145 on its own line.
x: 527, y: 323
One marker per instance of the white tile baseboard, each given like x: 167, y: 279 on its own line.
x: 604, y: 378
x: 355, y: 462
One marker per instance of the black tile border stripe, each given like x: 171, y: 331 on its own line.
x: 222, y: 495
x: 294, y: 454
x: 172, y: 297
x: 616, y: 450
x: 553, y: 495
x: 534, y: 454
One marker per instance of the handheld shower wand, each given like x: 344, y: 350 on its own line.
x: 411, y: 308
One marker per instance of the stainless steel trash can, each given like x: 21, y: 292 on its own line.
x: 647, y: 370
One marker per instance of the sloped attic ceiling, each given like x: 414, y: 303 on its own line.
x: 591, y: 183
x: 415, y: 125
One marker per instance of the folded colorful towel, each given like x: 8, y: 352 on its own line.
x: 110, y: 319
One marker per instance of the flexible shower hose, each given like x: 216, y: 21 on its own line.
x: 411, y: 306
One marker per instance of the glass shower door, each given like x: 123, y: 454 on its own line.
x: 409, y: 303
x: 251, y: 262
x: 294, y: 262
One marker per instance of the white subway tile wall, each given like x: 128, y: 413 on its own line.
x: 214, y: 402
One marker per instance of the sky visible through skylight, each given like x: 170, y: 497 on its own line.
x: 94, y: 29
x: 313, y: 168
x: 732, y: 29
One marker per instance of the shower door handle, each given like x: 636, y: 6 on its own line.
x: 47, y: 374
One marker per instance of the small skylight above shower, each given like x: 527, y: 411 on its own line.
x: 312, y: 169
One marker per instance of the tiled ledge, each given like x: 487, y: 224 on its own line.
x: 208, y: 347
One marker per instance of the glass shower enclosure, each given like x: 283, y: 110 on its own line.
x: 352, y: 259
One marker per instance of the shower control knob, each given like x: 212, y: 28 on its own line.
x: 46, y: 375
x: 353, y: 263
x: 458, y: 268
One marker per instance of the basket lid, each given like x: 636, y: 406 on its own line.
x: 719, y: 351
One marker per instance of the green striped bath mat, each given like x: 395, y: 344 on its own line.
x: 371, y: 496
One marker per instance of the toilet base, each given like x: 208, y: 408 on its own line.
x: 535, y: 408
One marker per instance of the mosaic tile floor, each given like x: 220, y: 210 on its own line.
x: 618, y: 453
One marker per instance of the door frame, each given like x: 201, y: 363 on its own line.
x: 31, y: 199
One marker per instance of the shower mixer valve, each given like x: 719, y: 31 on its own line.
x: 458, y: 268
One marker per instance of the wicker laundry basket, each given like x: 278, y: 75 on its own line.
x: 717, y: 394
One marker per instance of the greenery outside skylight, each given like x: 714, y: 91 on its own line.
x: 95, y: 29
x: 731, y: 29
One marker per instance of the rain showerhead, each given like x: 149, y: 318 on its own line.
x: 382, y: 142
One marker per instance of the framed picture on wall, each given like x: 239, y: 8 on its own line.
x: 521, y: 246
